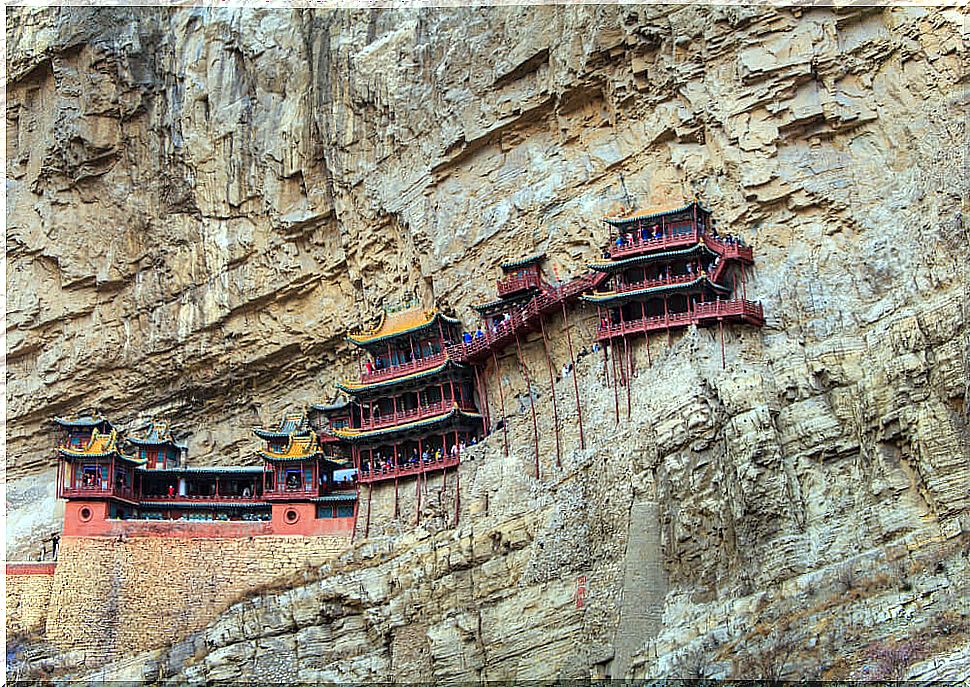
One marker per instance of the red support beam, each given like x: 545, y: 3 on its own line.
x: 552, y: 390
x: 532, y: 404
x: 572, y: 361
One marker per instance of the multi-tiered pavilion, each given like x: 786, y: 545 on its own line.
x: 413, y: 407
x: 667, y: 270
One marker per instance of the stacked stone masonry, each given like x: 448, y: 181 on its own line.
x: 28, y: 596
x: 113, y: 596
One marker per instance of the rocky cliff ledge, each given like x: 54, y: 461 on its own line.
x: 201, y: 201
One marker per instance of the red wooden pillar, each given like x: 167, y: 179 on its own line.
x: 572, y: 361
x: 532, y: 404
x: 552, y: 389
x: 501, y: 398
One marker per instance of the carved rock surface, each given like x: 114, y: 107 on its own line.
x: 201, y: 201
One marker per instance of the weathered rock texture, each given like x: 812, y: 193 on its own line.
x: 114, y: 597
x: 27, y: 600
x: 201, y: 201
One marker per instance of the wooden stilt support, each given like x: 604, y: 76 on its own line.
x: 552, y: 390
x: 478, y: 385
x: 627, y: 376
x: 501, y: 398
x: 532, y: 403
x: 720, y: 325
x: 616, y: 391
x: 417, y: 499
x: 370, y: 491
x: 572, y: 361
x: 457, y: 495
x: 356, y: 461
x: 395, y: 494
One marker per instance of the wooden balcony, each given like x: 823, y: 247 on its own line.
x: 523, y: 319
x: 677, y: 235
x: 199, y: 499
x: 413, y: 415
x: 702, y: 313
x: 515, y: 284
x: 380, y: 474
x: 419, y: 365
x: 730, y: 250
x: 654, y: 283
x: 97, y: 491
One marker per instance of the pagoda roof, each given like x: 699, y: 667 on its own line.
x: 352, y: 435
x: 506, y: 300
x: 523, y: 262
x: 336, y: 497
x: 290, y: 424
x: 620, y: 220
x: 330, y: 407
x: 158, y: 433
x: 613, y: 265
x: 299, y: 447
x: 360, y: 387
x: 83, y: 421
x: 614, y: 296
x: 100, y: 446
x: 393, y: 325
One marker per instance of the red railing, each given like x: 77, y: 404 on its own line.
x: 729, y: 250
x: 674, y: 237
x: 195, y: 498
x: 651, y: 283
x: 413, y: 414
x: 524, y: 318
x: 514, y: 284
x: 746, y: 311
x: 393, y: 371
x: 94, y: 492
x: 378, y: 474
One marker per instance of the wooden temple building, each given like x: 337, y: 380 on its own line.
x: 141, y: 483
x: 668, y: 270
x: 414, y: 409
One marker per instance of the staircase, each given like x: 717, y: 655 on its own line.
x: 524, y: 319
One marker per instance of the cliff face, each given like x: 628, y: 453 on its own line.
x: 202, y: 201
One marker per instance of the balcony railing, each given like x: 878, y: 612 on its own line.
x: 514, y: 284
x: 747, y: 311
x: 95, y: 491
x: 393, y: 371
x: 412, y: 414
x: 378, y: 474
x: 652, y: 283
x: 729, y: 250
x: 523, y: 318
x: 676, y: 235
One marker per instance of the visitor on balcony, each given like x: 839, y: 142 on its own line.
x: 478, y: 333
x: 369, y: 367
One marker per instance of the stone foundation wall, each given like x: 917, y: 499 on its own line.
x: 28, y: 595
x: 115, y: 595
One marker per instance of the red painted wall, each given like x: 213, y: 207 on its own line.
x: 305, y: 524
x: 30, y: 568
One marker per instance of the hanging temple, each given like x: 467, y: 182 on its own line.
x: 420, y: 400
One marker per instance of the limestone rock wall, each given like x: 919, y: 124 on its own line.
x: 202, y: 200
